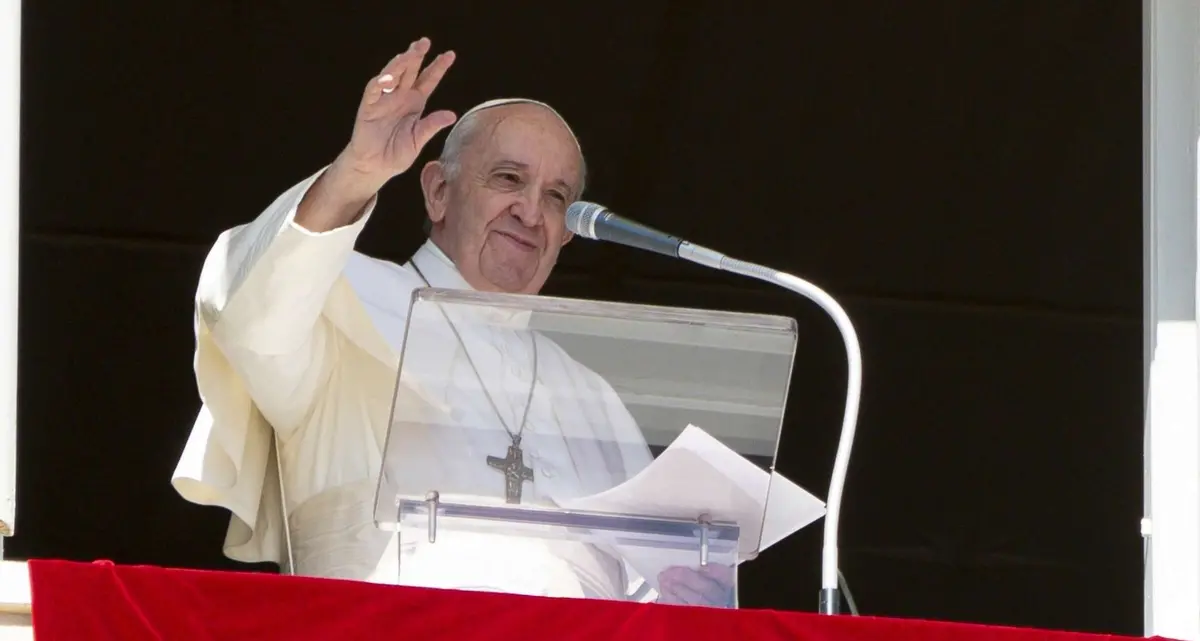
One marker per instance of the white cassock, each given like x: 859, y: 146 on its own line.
x: 297, y: 332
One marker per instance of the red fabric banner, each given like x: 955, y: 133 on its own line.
x: 96, y: 601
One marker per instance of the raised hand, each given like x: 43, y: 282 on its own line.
x: 389, y: 132
x: 390, y: 129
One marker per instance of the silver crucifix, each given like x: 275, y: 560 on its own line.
x: 516, y: 473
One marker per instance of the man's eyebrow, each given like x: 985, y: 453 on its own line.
x: 508, y: 163
x: 564, y: 185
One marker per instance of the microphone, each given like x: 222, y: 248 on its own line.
x: 598, y: 223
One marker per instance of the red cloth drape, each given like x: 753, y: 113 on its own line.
x: 86, y: 601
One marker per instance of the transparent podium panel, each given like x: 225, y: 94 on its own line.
x: 565, y: 447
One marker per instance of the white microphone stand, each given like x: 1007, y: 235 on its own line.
x: 829, y: 552
x: 586, y: 218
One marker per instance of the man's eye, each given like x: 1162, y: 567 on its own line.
x: 509, y: 178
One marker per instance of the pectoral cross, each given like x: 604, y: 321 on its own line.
x: 514, y: 469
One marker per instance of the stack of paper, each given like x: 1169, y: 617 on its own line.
x: 697, y: 474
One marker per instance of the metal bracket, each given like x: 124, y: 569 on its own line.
x: 431, y: 504
x: 705, y: 523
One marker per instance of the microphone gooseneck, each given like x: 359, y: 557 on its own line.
x: 598, y: 223
x: 829, y: 552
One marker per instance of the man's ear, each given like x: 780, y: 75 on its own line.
x: 436, y: 190
x: 567, y: 236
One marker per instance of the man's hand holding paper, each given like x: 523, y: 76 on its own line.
x: 698, y: 475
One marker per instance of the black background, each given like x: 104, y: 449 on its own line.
x: 964, y: 176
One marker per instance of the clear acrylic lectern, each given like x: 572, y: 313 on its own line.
x: 564, y: 447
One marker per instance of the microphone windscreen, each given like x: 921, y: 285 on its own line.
x: 581, y: 218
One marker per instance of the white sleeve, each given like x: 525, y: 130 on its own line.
x: 263, y: 350
x: 261, y: 293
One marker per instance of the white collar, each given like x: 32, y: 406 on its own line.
x: 438, y: 269
x: 441, y: 272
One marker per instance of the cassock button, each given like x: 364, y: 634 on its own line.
x: 547, y: 471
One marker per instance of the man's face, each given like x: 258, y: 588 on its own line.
x: 502, y: 218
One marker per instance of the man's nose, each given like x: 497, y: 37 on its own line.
x: 528, y: 209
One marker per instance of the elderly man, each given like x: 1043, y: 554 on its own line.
x: 298, y: 338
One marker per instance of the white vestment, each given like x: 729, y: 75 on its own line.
x: 297, y: 332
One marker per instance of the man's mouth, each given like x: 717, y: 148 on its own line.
x: 518, y: 242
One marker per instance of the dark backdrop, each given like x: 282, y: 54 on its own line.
x: 965, y: 176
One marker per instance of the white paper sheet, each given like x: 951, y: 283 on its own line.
x: 697, y: 474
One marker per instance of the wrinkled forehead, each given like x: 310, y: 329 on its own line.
x: 518, y: 105
x: 527, y: 133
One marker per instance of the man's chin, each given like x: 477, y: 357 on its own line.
x: 510, y: 283
x: 511, y: 276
